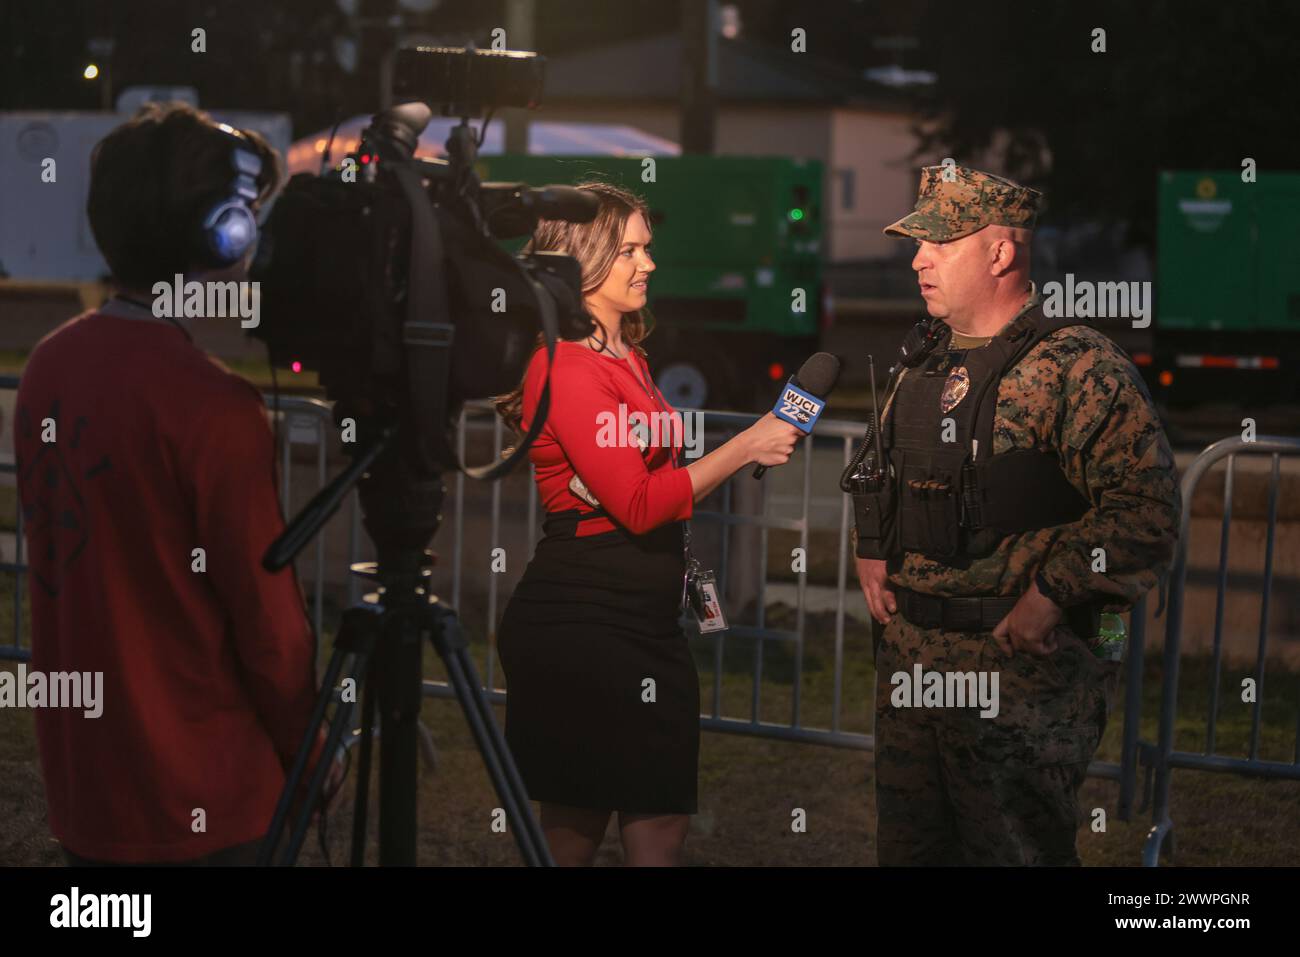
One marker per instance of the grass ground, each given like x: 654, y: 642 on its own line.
x: 749, y: 785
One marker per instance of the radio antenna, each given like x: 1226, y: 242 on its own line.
x: 875, y: 411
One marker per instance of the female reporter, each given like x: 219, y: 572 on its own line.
x: 603, y: 707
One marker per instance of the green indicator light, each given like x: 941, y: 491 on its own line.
x: 796, y: 214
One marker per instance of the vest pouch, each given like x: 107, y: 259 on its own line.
x: 929, y: 495
x: 873, y: 516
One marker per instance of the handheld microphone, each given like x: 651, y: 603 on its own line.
x: 805, y: 394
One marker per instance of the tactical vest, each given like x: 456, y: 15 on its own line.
x: 955, y: 500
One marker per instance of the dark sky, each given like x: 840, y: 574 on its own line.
x: 1182, y: 83
x: 280, y: 54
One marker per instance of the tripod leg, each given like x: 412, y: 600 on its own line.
x: 362, y: 801
x: 427, y: 746
x: 449, y: 641
x: 399, y: 682
x: 274, y: 833
x: 356, y: 637
x: 341, y: 721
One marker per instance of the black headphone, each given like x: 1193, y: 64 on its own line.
x: 221, y: 233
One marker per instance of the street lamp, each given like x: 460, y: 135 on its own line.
x: 102, y: 49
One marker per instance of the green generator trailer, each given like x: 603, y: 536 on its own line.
x: 1227, y: 288
x: 737, y: 295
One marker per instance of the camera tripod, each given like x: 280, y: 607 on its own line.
x: 384, y: 639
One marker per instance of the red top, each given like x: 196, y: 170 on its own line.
x: 208, y: 675
x: 586, y: 431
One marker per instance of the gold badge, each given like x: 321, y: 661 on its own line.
x: 955, y: 389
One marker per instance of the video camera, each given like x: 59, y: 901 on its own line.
x: 386, y: 276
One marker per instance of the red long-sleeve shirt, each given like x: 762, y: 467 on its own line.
x: 587, y: 432
x: 207, y: 675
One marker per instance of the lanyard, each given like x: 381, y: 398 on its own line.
x: 662, y: 407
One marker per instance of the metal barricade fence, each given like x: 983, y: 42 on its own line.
x: 301, y: 421
x: 845, y: 433
x: 309, y: 421
x: 1164, y: 757
x: 831, y: 433
x: 16, y: 569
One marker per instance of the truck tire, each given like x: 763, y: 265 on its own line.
x: 701, y: 381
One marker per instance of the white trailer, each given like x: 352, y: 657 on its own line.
x: 44, y: 233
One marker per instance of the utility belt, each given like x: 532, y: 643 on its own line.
x: 982, y: 613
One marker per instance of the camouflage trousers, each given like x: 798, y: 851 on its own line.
x: 956, y: 788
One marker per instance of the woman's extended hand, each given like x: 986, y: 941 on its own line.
x: 771, y: 440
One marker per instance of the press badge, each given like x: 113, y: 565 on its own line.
x: 702, y: 592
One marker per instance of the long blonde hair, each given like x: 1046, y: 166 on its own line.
x: 595, y: 245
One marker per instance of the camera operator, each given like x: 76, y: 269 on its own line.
x: 596, y: 613
x: 148, y: 505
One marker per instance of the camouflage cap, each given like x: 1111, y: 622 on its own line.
x: 964, y: 201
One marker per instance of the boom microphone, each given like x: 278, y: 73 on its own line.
x: 562, y: 202
x: 513, y: 209
x: 805, y: 394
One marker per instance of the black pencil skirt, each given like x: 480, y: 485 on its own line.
x: 603, y: 699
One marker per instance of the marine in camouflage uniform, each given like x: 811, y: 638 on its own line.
x: 956, y: 788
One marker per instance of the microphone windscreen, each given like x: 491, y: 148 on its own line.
x: 819, y: 374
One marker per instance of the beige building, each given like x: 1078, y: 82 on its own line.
x: 769, y: 103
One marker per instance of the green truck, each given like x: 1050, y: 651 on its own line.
x: 737, y: 296
x: 1228, y: 289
